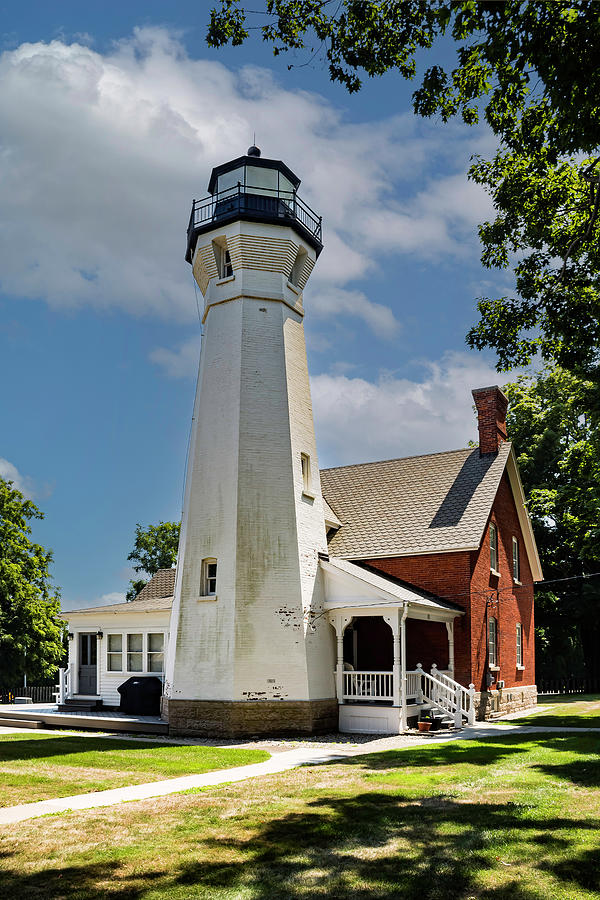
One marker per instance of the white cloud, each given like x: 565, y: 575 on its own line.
x: 100, y: 156
x: 22, y: 483
x: 113, y: 597
x: 358, y: 420
x: 180, y: 363
x: 104, y: 600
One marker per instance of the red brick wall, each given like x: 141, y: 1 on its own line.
x: 449, y: 576
x: 509, y: 602
x: 466, y: 579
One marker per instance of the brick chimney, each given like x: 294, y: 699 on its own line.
x: 491, y: 406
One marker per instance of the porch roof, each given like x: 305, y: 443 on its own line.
x: 149, y: 605
x: 352, y: 586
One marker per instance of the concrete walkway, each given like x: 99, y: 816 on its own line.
x: 279, y: 762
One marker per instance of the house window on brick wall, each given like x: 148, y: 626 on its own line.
x: 516, y: 560
x: 492, y: 641
x: 519, y: 645
x: 493, y: 548
x: 209, y: 577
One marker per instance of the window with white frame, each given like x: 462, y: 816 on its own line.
x: 305, y: 467
x: 222, y: 258
x: 114, y: 655
x: 135, y: 652
x: 492, y: 641
x: 516, y: 560
x: 155, y: 653
x: 493, y: 547
x: 143, y: 652
x: 519, y: 645
x: 209, y: 577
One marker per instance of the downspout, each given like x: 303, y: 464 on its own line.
x: 403, y: 716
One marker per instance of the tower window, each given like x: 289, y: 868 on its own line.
x: 493, y: 548
x: 209, y: 577
x: 298, y: 267
x: 516, y: 560
x: 305, y: 466
x: 222, y: 258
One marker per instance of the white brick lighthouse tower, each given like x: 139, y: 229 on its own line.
x: 250, y: 650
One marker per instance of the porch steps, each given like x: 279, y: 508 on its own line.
x: 73, y: 704
x: 441, y: 717
x: 20, y: 723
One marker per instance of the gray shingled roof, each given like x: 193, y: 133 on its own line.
x: 419, y: 504
x: 150, y: 604
x: 162, y: 584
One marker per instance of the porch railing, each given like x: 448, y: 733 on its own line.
x: 442, y: 691
x: 368, y: 686
x: 64, y: 684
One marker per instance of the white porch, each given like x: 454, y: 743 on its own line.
x: 383, y: 699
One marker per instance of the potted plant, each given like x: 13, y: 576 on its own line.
x: 425, y: 721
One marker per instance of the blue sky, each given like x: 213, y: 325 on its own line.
x: 111, y: 119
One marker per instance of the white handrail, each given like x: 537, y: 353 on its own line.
x: 441, y: 690
x: 64, y: 683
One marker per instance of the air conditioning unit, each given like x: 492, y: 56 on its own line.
x: 500, y: 685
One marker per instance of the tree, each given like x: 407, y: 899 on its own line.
x: 155, y: 548
x: 530, y: 70
x: 31, y: 632
x: 557, y: 441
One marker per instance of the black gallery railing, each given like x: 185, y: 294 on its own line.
x: 253, y: 202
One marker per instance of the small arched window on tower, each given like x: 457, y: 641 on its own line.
x: 298, y: 267
x: 209, y: 578
x: 222, y: 258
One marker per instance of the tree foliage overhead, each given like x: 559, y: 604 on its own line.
x: 557, y: 440
x: 529, y: 69
x: 155, y: 548
x: 31, y: 632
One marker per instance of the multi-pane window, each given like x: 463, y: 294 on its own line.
x: 516, y: 560
x: 114, y: 660
x: 493, y: 547
x: 519, y: 644
x: 209, y: 577
x: 156, y: 652
x: 135, y: 652
x: 492, y: 641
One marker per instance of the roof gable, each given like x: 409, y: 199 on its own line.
x: 436, y: 503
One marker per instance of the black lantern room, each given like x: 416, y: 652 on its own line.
x: 251, y: 187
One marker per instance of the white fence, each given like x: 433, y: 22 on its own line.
x: 368, y: 686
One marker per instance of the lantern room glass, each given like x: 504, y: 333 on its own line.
x: 260, y: 180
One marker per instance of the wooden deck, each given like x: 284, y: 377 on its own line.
x: 106, y: 720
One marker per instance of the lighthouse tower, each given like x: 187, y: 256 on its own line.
x: 250, y: 650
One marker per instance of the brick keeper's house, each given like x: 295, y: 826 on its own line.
x: 304, y: 601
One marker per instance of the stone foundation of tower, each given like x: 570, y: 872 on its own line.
x: 231, y: 718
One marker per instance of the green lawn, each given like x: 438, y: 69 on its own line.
x: 507, y: 818
x: 574, y: 710
x: 39, y: 766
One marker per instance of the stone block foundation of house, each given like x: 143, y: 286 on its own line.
x: 230, y: 718
x: 489, y: 704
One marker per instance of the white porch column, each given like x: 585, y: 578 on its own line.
x: 340, y: 622
x: 74, y: 664
x: 450, y: 630
x: 393, y: 620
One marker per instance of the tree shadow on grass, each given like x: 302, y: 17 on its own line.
x: 582, y: 870
x: 373, y: 845
x: 447, y: 754
x: 377, y: 845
